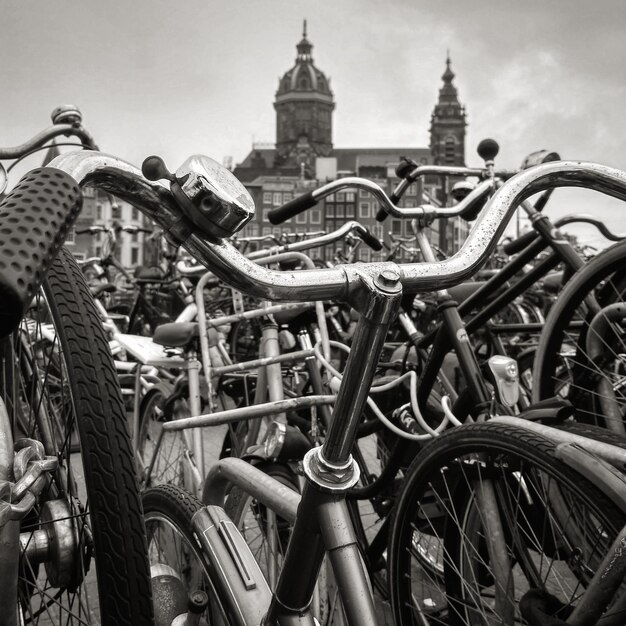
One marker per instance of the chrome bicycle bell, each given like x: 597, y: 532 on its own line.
x: 209, y: 194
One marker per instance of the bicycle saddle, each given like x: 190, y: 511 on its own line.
x: 179, y: 334
x: 148, y: 273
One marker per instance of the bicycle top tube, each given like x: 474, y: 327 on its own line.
x: 156, y: 201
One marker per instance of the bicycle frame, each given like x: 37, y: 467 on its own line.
x: 323, y: 523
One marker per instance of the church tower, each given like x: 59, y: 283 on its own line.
x: 304, y: 105
x: 447, y: 124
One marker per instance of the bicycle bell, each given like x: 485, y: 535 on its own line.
x: 209, y: 194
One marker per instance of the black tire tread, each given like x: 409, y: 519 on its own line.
x: 108, y: 460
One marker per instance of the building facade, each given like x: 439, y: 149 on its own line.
x: 304, y: 157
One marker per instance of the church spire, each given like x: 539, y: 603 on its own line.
x: 448, y: 75
x: 448, y: 122
x: 304, y: 47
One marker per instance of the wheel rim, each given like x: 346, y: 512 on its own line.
x: 62, y: 586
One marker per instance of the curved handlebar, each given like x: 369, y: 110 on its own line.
x: 46, y: 135
x: 227, y: 263
x: 589, y: 219
x: 515, y: 246
x: 323, y: 240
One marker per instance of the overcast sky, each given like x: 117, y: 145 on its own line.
x: 177, y: 78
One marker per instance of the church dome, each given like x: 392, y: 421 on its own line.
x: 304, y: 80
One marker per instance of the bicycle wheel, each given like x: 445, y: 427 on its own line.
x: 556, y: 528
x: 167, y: 512
x: 165, y: 465
x: 582, y: 349
x: 59, y: 385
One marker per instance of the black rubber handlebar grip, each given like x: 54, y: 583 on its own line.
x: 470, y: 213
x: 381, y: 216
x: 34, y: 221
x: 517, y: 245
x: 291, y: 208
x: 373, y: 242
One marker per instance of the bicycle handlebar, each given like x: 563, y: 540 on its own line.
x: 155, y: 200
x: 323, y: 240
x: 517, y: 245
x: 589, y: 219
x: 46, y: 135
x: 292, y: 208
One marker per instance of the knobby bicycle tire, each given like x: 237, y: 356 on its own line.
x: 439, y: 563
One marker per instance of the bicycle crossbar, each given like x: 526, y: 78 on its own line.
x: 248, y: 315
x: 256, y: 483
x: 269, y: 360
x: 247, y: 412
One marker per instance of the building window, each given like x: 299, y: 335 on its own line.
x: 116, y: 212
x: 363, y: 193
x: 301, y: 218
x: 98, y: 251
x: 364, y: 211
x: 287, y: 196
x: 99, y: 212
x: 316, y: 216
x: 71, y: 235
x: 396, y: 227
x: 267, y: 197
x: 266, y: 213
x: 134, y: 237
x: 350, y: 211
x: 134, y: 256
x: 266, y: 231
x: 412, y: 190
x: 277, y: 199
x: 349, y: 196
x: 135, y: 214
x: 330, y: 210
x: 89, y: 192
x: 339, y: 211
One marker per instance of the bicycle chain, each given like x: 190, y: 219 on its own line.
x: 31, y: 468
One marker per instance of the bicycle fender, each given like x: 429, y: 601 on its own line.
x: 240, y: 584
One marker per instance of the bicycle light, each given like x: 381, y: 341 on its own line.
x: 275, y: 439
x: 285, y: 442
x: 218, y: 203
x: 505, y: 375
